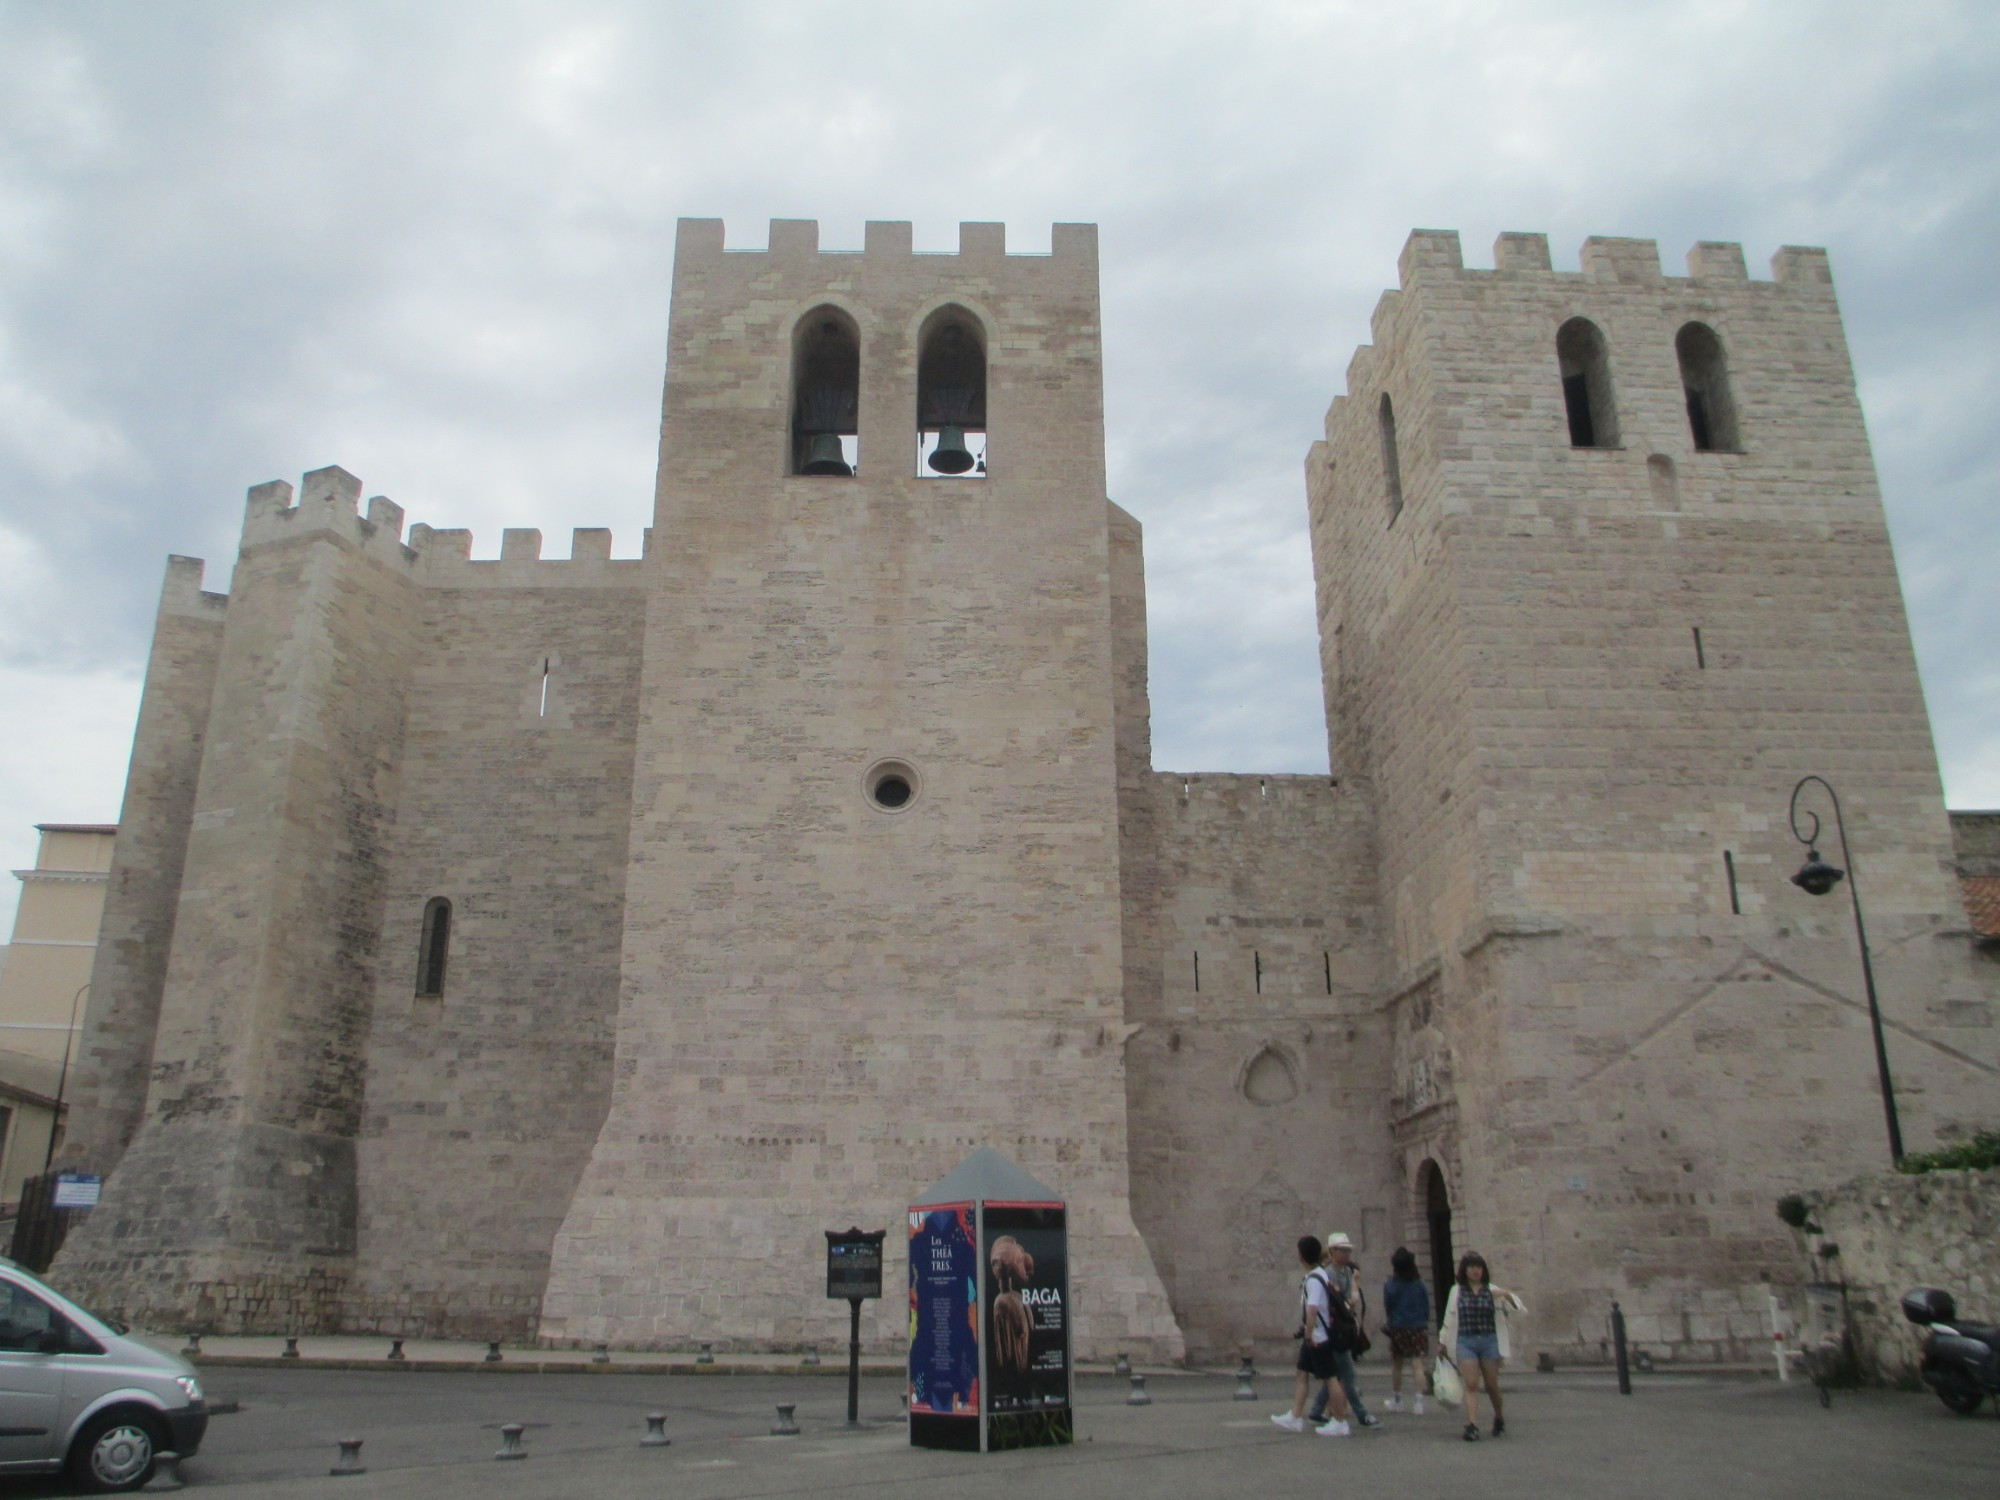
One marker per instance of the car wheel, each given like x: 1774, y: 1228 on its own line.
x: 1959, y: 1392
x: 114, y: 1453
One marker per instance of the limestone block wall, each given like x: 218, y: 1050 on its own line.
x: 482, y: 1104
x: 107, y: 1087
x: 1892, y: 1233
x: 235, y: 1203
x: 1258, y: 1080
x: 825, y: 1004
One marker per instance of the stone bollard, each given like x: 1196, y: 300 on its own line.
x: 707, y: 1355
x: 812, y: 1354
x: 510, y: 1441
x: 1122, y: 1365
x: 656, y: 1431
x: 492, y: 1352
x: 291, y: 1349
x: 1246, y: 1387
x: 350, y: 1457
x: 786, y: 1426
x: 396, y: 1349
x: 602, y: 1356
x: 166, y: 1473
x: 193, y: 1350
x: 1138, y: 1396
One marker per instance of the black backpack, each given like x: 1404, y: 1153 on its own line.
x: 1342, y: 1331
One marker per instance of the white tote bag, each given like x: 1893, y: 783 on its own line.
x: 1446, y: 1383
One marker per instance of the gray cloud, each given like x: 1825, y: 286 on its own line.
x: 432, y: 244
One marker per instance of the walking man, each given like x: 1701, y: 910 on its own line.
x: 1315, y: 1360
x: 1343, y: 1283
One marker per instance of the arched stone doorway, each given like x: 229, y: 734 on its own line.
x: 1437, y: 1219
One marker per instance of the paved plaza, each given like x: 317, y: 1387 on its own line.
x: 431, y: 1435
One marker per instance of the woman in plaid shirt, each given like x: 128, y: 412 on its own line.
x: 1475, y: 1331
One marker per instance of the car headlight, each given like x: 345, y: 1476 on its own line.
x: 189, y: 1385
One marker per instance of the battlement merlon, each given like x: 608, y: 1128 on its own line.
x: 329, y: 502
x: 797, y: 240
x: 182, y: 594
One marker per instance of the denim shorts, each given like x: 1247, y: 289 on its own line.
x: 1472, y: 1346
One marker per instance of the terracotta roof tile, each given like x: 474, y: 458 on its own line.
x: 1982, y: 903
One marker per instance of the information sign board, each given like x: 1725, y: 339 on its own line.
x: 854, y: 1262
x: 77, y: 1190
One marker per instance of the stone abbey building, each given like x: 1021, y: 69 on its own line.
x: 552, y: 948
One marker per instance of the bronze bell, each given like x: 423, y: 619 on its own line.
x: 823, y: 455
x: 951, y: 456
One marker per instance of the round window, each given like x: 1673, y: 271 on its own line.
x: 891, y: 785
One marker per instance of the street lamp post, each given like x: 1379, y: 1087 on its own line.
x: 62, y: 1080
x: 1816, y: 878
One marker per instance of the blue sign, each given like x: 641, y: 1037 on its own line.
x: 944, y: 1311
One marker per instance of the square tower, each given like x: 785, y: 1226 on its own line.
x: 1602, y: 573
x: 873, y: 900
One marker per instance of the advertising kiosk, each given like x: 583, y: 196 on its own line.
x: 989, y: 1310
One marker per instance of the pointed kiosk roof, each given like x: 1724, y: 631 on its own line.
x: 987, y: 1176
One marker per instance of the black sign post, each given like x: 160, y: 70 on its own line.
x: 854, y: 1271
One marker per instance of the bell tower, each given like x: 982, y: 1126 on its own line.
x: 873, y: 899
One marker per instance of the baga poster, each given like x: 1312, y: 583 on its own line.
x: 1027, y: 1316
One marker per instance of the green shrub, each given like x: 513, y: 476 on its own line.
x: 1980, y: 1154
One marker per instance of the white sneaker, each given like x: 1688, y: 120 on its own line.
x: 1289, y: 1422
x: 1394, y: 1403
x: 1335, y: 1428
x: 1418, y: 1409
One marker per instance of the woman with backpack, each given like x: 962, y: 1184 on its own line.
x: 1406, y: 1303
x: 1476, y: 1315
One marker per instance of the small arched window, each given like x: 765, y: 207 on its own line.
x: 951, y: 396
x: 826, y: 393
x: 1586, y: 382
x: 1392, y: 460
x: 433, y: 948
x: 1705, y: 378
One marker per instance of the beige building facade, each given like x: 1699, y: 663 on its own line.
x: 553, y: 948
x: 45, y: 990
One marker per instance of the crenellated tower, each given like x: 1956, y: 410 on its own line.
x: 1603, y: 572
x: 873, y: 901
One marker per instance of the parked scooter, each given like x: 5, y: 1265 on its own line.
x: 1961, y: 1360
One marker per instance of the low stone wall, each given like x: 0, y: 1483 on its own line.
x: 1883, y: 1234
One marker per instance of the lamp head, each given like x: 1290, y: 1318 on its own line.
x: 1816, y: 877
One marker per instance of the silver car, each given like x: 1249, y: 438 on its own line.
x: 79, y: 1393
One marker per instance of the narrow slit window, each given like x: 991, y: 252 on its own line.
x: 1257, y: 970
x: 545, y: 688
x: 1711, y: 407
x: 951, y: 396
x: 1700, y: 656
x: 1392, y: 459
x: 434, y: 948
x: 1729, y: 870
x: 1585, y: 363
x: 1328, y: 957
x: 1197, y: 971
x: 826, y: 394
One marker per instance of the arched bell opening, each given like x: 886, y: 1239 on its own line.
x: 826, y: 394
x: 1436, y: 1202
x: 1711, y: 408
x: 1585, y: 362
x: 951, y: 396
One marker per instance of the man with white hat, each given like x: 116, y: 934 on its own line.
x: 1343, y: 1283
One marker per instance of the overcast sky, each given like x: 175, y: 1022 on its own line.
x: 431, y: 243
